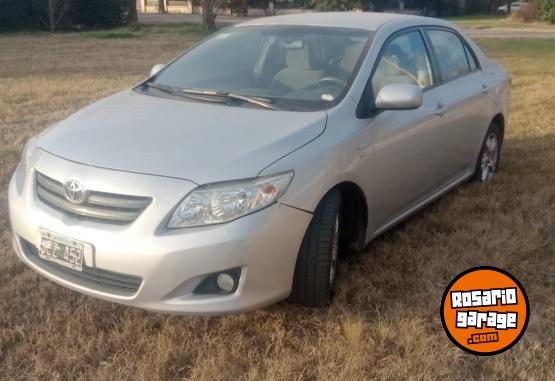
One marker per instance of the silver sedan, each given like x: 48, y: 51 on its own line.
x: 238, y: 174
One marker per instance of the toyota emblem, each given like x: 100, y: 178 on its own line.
x: 74, y: 192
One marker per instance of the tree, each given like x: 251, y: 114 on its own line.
x: 208, y: 14
x: 56, y: 11
x: 547, y: 10
x: 162, y: 6
x: 131, y: 6
x: 332, y: 5
x: 241, y: 7
x: 19, y: 15
x: 263, y: 4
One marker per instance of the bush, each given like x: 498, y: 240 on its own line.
x: 528, y: 12
x: 477, y: 7
x: 332, y: 5
x: 547, y: 10
x: 33, y: 14
x: 97, y: 13
x: 17, y: 15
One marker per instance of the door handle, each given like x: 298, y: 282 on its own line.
x: 441, y: 109
x: 485, y: 88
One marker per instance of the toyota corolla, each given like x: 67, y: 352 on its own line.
x: 238, y: 174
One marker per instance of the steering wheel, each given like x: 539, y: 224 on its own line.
x: 332, y: 81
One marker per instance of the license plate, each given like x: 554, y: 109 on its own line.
x: 62, y: 250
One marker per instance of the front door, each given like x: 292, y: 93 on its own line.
x: 406, y: 142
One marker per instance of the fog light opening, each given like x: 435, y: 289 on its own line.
x: 220, y: 283
x: 225, y: 282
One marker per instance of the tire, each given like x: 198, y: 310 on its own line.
x: 490, y: 155
x: 317, y: 260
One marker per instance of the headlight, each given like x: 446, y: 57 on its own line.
x: 225, y: 202
x: 27, y: 154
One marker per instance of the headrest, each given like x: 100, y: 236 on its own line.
x: 351, y: 56
x: 299, y: 58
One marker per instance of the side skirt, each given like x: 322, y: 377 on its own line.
x: 420, y: 206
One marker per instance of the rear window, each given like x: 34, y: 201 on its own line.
x: 450, y: 54
x: 471, y: 60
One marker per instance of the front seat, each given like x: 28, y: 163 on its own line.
x: 350, y: 58
x: 393, y: 69
x: 299, y: 72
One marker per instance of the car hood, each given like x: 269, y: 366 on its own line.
x: 200, y: 142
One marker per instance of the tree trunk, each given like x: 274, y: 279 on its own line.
x: 132, y: 11
x: 208, y: 15
x: 243, y: 10
x: 162, y: 6
x: 462, y: 7
x: 51, y: 24
x: 57, y: 11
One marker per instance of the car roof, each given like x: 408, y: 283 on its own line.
x: 371, y: 21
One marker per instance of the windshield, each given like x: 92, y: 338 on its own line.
x: 297, y: 68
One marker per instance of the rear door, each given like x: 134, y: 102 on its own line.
x: 463, y: 105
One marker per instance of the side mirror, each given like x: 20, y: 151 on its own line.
x: 399, y: 97
x: 156, y: 68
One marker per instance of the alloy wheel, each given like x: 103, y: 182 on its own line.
x: 334, y: 251
x: 490, y: 153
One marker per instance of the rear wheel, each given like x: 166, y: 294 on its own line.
x: 316, y: 267
x: 488, y: 161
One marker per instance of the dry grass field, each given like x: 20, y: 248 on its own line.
x: 384, y: 322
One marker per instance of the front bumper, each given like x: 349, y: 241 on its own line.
x: 169, y: 264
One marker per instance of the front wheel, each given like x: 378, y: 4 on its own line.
x: 316, y: 267
x: 488, y: 161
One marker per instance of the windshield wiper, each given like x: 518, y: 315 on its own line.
x: 261, y: 102
x: 222, y: 95
x: 164, y: 88
x: 178, y: 92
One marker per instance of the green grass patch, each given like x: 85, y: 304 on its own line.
x: 174, y: 28
x: 116, y: 34
x: 480, y: 21
x: 192, y: 30
x: 522, y: 47
x: 524, y: 58
x: 146, y: 30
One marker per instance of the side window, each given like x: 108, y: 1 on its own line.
x: 471, y: 59
x: 450, y: 54
x: 403, y: 60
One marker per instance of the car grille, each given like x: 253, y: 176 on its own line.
x: 97, y: 206
x: 93, y: 278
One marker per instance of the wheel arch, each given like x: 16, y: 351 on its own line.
x: 354, y: 216
x: 499, y: 121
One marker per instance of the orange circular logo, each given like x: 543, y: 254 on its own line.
x: 485, y: 311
